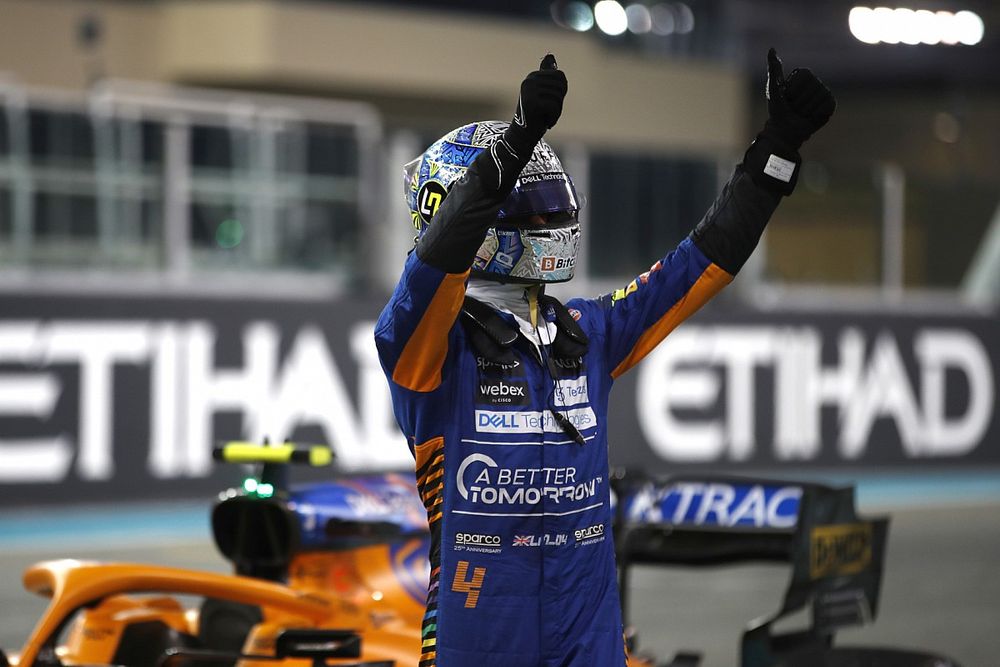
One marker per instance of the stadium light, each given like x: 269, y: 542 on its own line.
x: 663, y: 19
x: 576, y: 15
x: 610, y: 17
x: 613, y: 17
x: 907, y: 26
x: 668, y: 18
x: 684, y: 18
x: 639, y: 20
x: 927, y: 27
x: 969, y: 26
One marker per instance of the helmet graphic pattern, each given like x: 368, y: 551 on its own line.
x: 430, y: 176
x: 509, y: 252
x: 543, y: 186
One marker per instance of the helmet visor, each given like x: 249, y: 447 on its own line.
x: 529, y: 254
x: 540, y: 193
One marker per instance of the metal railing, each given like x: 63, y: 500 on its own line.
x: 176, y: 184
x: 140, y: 186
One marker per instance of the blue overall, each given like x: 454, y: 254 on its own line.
x: 522, y: 557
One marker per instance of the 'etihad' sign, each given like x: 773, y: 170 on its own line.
x: 113, y: 397
x: 273, y: 394
x: 698, y: 395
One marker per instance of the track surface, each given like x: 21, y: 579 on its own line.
x: 941, y: 589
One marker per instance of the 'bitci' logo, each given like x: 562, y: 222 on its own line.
x: 550, y: 263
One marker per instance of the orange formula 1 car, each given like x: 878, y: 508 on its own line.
x: 336, y: 574
x: 325, y: 574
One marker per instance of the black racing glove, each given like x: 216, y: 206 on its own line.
x: 796, y: 107
x: 538, y: 108
x: 540, y: 103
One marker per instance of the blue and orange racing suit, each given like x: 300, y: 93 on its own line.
x: 522, y: 557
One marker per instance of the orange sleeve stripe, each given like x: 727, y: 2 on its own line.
x: 419, y: 366
x: 433, y: 476
x: 423, y: 452
x: 709, y: 283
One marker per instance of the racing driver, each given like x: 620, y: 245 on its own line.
x: 502, y: 391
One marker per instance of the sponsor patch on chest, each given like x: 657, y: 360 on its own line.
x: 481, y: 480
x: 495, y: 367
x: 489, y: 421
x: 589, y: 535
x: 571, y: 391
x: 479, y: 542
x: 499, y: 392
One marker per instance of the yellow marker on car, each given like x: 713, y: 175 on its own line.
x: 251, y: 452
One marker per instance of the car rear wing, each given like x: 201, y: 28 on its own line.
x: 261, y: 525
x: 261, y: 536
x: 836, y: 557
x: 317, y: 646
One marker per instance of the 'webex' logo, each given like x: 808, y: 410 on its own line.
x: 498, y: 392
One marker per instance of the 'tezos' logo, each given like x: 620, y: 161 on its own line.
x: 590, y: 534
x: 429, y: 199
x: 840, y: 549
x: 550, y: 263
x: 498, y: 392
x: 571, y: 392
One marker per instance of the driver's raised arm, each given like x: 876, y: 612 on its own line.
x: 413, y: 330
x: 641, y: 314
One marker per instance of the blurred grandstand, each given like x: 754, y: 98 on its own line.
x: 101, y: 174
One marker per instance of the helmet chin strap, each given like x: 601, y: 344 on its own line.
x: 532, y: 293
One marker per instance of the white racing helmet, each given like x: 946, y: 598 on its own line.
x: 514, y: 250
